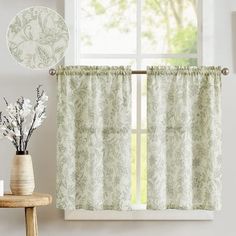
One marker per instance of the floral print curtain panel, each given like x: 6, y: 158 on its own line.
x: 93, y: 145
x: 184, y: 138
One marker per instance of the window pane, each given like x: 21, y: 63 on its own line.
x: 108, y: 26
x: 107, y: 62
x: 169, y: 62
x: 144, y: 169
x: 169, y: 26
x: 133, y: 169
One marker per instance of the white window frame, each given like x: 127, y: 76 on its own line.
x: 205, y: 56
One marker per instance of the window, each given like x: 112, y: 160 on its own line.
x: 136, y: 33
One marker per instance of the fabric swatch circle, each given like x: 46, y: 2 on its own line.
x: 38, y: 37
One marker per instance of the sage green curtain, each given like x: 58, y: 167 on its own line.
x: 93, y: 143
x: 184, y: 138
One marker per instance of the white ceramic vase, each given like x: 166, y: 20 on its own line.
x: 22, y: 174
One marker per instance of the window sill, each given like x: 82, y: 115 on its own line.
x: 139, y: 213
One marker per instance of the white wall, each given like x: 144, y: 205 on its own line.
x: 16, y: 81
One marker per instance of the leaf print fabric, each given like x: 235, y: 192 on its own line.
x: 93, y: 143
x: 37, y: 37
x: 184, y: 138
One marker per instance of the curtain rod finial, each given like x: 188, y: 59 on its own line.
x: 52, y: 72
x: 225, y: 71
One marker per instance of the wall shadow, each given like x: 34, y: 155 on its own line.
x: 233, y: 18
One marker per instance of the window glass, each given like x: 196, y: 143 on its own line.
x: 169, y: 26
x: 108, y: 26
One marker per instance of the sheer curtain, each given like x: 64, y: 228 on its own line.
x: 93, y: 140
x: 184, y: 138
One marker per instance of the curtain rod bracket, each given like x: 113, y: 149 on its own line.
x: 52, y: 72
x: 225, y: 71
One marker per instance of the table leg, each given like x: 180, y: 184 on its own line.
x: 31, y: 221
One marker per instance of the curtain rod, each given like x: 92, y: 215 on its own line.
x: 224, y: 71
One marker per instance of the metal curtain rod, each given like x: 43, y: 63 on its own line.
x: 224, y: 71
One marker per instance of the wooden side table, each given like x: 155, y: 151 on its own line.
x: 29, y: 203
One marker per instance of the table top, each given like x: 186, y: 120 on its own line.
x: 34, y: 200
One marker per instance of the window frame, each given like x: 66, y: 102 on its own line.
x: 204, y: 56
